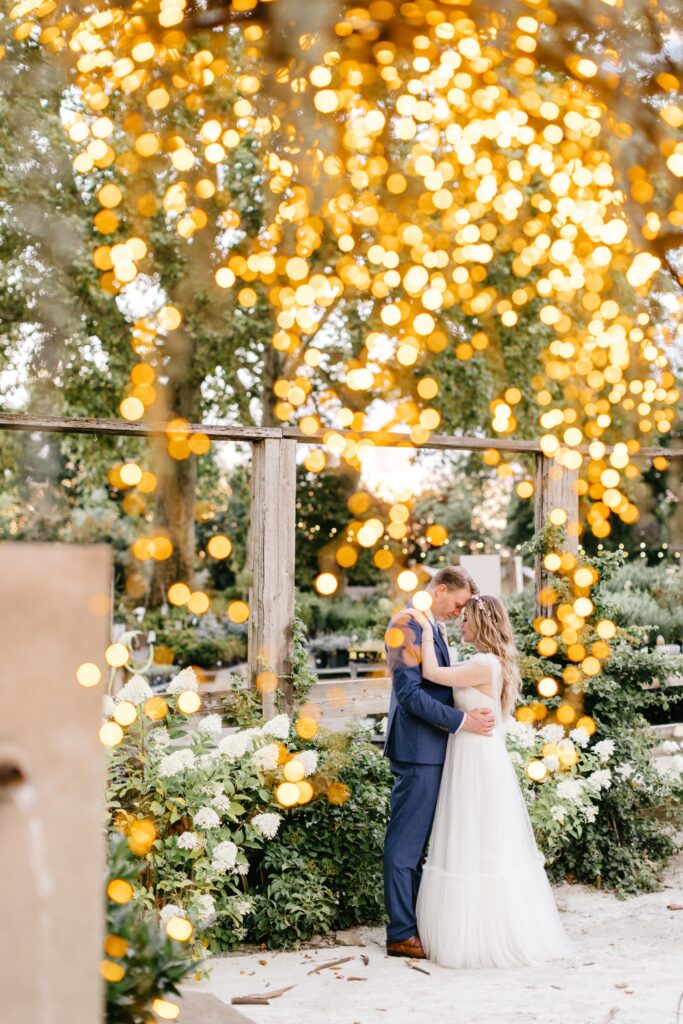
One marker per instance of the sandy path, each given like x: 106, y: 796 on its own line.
x: 629, y: 970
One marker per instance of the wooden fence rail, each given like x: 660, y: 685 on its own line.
x: 273, y: 511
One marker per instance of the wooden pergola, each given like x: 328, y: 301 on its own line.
x: 273, y: 507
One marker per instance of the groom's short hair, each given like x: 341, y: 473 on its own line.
x: 454, y: 578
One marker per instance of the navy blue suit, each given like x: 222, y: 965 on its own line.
x: 421, y: 716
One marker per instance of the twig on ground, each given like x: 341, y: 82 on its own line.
x: 332, y: 963
x: 261, y: 998
x: 414, y: 967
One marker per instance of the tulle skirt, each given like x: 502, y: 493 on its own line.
x: 484, y: 899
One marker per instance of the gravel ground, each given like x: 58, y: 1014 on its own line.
x: 628, y: 970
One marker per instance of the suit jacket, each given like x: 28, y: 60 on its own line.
x: 421, y: 714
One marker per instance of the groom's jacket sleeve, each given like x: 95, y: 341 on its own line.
x: 406, y: 674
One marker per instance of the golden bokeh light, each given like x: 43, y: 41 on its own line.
x: 88, y: 674
x: 189, y: 702
x: 179, y: 929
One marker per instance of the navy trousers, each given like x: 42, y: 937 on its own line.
x: 413, y: 803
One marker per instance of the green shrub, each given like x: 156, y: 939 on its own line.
x: 151, y: 964
x: 628, y: 841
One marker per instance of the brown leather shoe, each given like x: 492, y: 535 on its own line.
x: 411, y: 947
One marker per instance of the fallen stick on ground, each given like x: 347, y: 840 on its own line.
x: 414, y: 967
x: 332, y: 963
x: 261, y: 998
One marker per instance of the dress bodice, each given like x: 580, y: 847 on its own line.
x: 467, y: 698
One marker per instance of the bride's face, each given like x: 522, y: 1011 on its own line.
x: 467, y: 628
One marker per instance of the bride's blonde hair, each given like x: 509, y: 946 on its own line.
x: 491, y: 624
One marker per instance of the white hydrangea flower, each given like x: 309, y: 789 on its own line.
x: 604, y: 749
x: 625, y: 770
x: 521, y: 733
x: 221, y: 802
x: 600, y: 780
x: 211, y: 725
x: 267, y: 757
x: 267, y: 824
x: 309, y: 759
x: 236, y: 744
x: 580, y: 736
x: 185, y: 680
x: 591, y: 813
x: 570, y: 789
x: 189, y: 841
x: 137, y: 690
x: 242, y: 869
x: 206, y: 817
x: 515, y: 757
x: 277, y: 727
x: 177, y: 761
x: 160, y: 737
x: 169, y: 911
x: 108, y: 706
x: 241, y: 905
x: 552, y: 733
x: 551, y: 762
x: 224, y: 856
x: 206, y: 908
x: 566, y: 746
x: 558, y: 813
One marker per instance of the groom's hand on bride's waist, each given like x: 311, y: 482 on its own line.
x: 479, y: 721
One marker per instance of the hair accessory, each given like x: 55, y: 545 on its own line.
x: 482, y: 606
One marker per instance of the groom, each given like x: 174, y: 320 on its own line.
x: 421, y: 716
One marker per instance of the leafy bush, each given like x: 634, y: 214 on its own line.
x: 142, y: 963
x: 626, y: 843
x: 336, y: 847
x: 221, y: 851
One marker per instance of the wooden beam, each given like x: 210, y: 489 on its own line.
x: 236, y: 433
x: 272, y: 532
x: 122, y: 428
x: 556, y: 487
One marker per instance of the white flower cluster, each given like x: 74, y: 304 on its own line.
x: 206, y: 818
x: 551, y: 733
x: 266, y: 758
x: 236, y: 744
x: 309, y: 759
x: 185, y: 680
x: 160, y: 738
x: 224, y: 857
x: 189, y: 841
x: 570, y: 789
x: 267, y: 824
x: 522, y: 734
x: 211, y: 725
x: 206, y: 908
x: 604, y: 749
x: 278, y: 727
x: 558, y: 812
x: 108, y: 706
x: 137, y: 690
x: 580, y: 736
x: 551, y: 762
x: 600, y: 780
x: 176, y: 762
x: 169, y: 911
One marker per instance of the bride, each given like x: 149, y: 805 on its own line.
x: 484, y: 899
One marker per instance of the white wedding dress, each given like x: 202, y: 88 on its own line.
x: 484, y: 899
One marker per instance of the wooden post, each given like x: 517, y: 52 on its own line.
x: 556, y: 487
x: 55, y: 617
x: 271, y: 564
